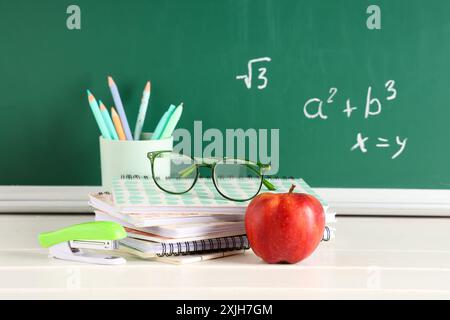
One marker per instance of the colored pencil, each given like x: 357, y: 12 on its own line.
x: 172, y: 122
x: 120, y: 109
x: 108, y: 121
x: 98, y: 116
x: 142, y: 112
x: 118, y: 124
x: 163, y: 122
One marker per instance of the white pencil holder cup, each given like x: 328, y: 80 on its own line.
x: 129, y: 157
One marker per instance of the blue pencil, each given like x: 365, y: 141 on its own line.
x: 120, y: 109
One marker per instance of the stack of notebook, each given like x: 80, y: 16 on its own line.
x: 196, y: 226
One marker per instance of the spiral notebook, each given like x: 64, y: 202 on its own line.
x: 137, y: 194
x: 157, y: 249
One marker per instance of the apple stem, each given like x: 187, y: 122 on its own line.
x: 292, y: 188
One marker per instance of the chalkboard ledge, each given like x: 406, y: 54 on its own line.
x: 353, y: 202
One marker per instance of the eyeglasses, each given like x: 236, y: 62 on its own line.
x: 177, y: 174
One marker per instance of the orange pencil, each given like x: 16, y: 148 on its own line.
x: 118, y: 124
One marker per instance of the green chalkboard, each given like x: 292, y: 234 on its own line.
x: 193, y: 50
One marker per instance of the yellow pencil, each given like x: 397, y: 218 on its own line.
x: 118, y: 124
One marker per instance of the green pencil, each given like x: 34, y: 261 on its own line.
x: 98, y: 116
x: 172, y: 122
x: 108, y: 121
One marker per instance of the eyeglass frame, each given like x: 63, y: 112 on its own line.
x: 198, y: 164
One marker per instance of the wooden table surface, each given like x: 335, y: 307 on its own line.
x: 369, y: 258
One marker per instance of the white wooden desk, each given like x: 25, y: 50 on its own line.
x: 370, y: 258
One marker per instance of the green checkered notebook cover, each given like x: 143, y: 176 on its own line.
x: 141, y: 195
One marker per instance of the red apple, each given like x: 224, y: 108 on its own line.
x: 284, y: 227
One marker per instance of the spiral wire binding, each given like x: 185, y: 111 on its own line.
x: 327, y: 235
x: 231, y: 244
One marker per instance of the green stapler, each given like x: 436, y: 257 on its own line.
x: 67, y: 243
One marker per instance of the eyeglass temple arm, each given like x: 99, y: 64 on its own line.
x: 265, y: 182
x: 269, y: 185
